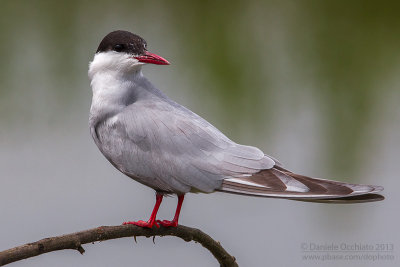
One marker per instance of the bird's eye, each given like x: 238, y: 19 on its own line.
x: 145, y: 46
x: 118, y: 47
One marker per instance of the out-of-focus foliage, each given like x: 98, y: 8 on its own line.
x: 240, y: 53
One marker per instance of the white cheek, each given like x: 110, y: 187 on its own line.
x: 113, y: 61
x: 133, y: 62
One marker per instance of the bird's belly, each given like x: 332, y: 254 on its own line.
x: 142, y: 165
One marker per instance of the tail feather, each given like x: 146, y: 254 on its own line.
x: 281, y: 183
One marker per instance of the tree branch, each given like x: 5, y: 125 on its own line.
x: 76, y: 240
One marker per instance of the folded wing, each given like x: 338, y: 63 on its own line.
x: 171, y: 149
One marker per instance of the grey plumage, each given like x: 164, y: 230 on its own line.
x: 167, y: 147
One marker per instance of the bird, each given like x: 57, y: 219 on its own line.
x: 163, y: 145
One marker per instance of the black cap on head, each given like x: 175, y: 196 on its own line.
x: 123, y: 41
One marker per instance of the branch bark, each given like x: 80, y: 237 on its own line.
x: 76, y: 240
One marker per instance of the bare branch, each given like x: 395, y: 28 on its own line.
x: 76, y: 240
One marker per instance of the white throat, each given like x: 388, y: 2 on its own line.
x: 113, y: 78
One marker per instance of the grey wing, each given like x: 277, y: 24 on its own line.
x: 171, y: 149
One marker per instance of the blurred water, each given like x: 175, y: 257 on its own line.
x: 313, y: 83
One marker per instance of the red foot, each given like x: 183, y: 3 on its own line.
x: 174, y: 222
x: 166, y: 223
x: 148, y: 224
x: 152, y: 221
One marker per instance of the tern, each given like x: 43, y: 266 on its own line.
x: 163, y: 145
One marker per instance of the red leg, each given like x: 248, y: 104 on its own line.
x: 174, y: 221
x: 152, y: 220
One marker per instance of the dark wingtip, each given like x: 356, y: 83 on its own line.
x: 347, y: 200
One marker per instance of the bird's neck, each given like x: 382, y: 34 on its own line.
x: 113, y: 91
